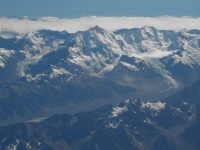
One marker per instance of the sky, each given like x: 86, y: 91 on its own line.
x: 82, y: 8
x: 22, y: 16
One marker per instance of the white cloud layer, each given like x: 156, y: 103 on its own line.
x: 110, y: 23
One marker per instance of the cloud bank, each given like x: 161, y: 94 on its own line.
x: 25, y: 25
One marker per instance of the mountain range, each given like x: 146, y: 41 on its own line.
x: 132, y: 125
x: 46, y: 72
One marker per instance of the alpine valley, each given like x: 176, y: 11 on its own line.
x: 46, y: 74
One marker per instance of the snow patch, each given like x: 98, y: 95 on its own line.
x: 14, y: 146
x: 37, y: 120
x: 118, y: 110
x: 185, y: 103
x: 38, y: 76
x: 4, y: 55
x: 184, y: 59
x: 127, y: 101
x: 154, y: 53
x: 28, y: 144
x: 153, y: 106
x: 114, y: 124
x: 131, y: 67
x: 58, y: 71
x: 147, y: 121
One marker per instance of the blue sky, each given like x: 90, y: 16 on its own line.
x: 78, y: 8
